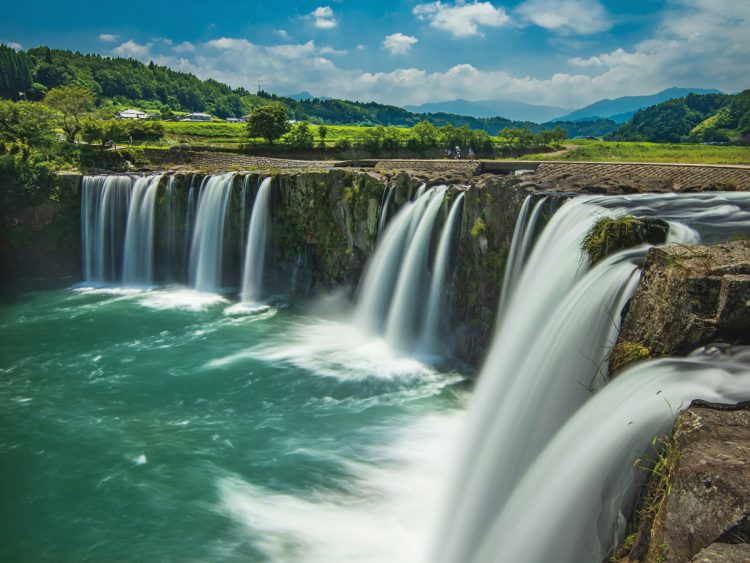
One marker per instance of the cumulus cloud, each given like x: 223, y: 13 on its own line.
x: 184, y: 47
x: 579, y: 17
x: 323, y: 18
x: 283, y: 33
x: 108, y: 37
x: 133, y: 50
x: 696, y: 43
x: 462, y: 19
x: 398, y: 43
x: 13, y: 45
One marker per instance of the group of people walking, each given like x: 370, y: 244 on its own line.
x: 456, y: 153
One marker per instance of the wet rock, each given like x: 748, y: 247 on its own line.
x: 689, y: 296
x: 708, y: 502
x: 612, y: 234
x: 723, y: 553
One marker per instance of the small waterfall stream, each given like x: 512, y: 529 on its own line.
x: 255, y: 253
x: 138, y: 261
x: 207, y: 247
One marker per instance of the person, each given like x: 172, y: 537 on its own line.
x: 448, y: 153
x: 471, y: 153
x: 458, y: 152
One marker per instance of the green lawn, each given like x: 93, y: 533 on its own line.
x: 603, y: 151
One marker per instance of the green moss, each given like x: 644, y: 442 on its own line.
x: 610, y: 234
x: 478, y: 227
x: 625, y: 353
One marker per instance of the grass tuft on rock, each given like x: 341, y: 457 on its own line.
x: 625, y: 353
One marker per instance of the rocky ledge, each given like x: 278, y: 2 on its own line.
x: 701, y: 508
x: 688, y: 296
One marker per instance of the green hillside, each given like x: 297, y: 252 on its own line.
x: 695, y: 118
x: 119, y: 83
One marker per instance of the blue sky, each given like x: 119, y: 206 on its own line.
x: 556, y: 52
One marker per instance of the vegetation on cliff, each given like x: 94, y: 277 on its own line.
x: 709, y: 118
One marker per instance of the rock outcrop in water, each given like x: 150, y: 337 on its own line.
x: 705, y: 515
x: 611, y: 234
x: 688, y: 296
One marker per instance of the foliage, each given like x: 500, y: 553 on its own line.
x: 15, y: 73
x: 269, y: 122
x: 28, y: 124
x: 300, y: 136
x: 106, y: 131
x: 478, y: 227
x: 610, y: 234
x: 695, y: 118
x: 72, y: 102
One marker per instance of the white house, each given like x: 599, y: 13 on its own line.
x: 132, y: 114
x: 197, y: 117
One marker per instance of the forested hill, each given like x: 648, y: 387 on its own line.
x: 694, y: 118
x: 119, y: 83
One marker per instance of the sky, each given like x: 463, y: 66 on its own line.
x: 565, y: 53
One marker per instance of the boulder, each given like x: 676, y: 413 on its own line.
x: 689, y: 296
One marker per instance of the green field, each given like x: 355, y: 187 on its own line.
x: 602, y: 151
x: 232, y: 136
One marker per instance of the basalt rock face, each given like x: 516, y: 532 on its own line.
x: 42, y: 237
x: 489, y: 217
x: 689, y: 296
x: 706, y: 514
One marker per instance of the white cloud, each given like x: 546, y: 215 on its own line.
x: 184, y: 47
x: 398, y: 43
x: 108, y: 37
x: 283, y: 33
x: 697, y: 43
x: 579, y: 17
x: 13, y: 45
x: 323, y: 17
x: 133, y: 50
x: 462, y: 19
x: 332, y: 51
x: 361, y: 47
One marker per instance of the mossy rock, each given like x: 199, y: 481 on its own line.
x: 612, y: 234
x: 625, y: 353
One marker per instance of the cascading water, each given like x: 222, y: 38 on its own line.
x: 384, y: 210
x: 255, y: 253
x: 431, y: 332
x: 546, y: 358
x: 404, y: 322
x: 138, y: 260
x: 389, y: 301
x: 104, y: 208
x: 208, y: 236
x: 591, y: 459
x: 171, y: 226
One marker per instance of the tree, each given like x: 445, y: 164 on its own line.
x: 29, y: 124
x: 103, y: 131
x: 269, y: 122
x: 322, y: 132
x: 15, y: 73
x: 426, y: 133
x: 73, y: 102
x: 301, y: 136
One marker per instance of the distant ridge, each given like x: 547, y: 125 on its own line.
x: 305, y: 95
x: 622, y: 109
x: 517, y: 111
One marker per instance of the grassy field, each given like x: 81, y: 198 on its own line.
x: 601, y: 151
x: 232, y: 136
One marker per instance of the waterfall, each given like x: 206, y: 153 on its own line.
x: 384, y: 210
x: 138, y: 260
x: 523, y: 235
x: 255, y: 253
x: 405, y: 315
x: 431, y: 332
x: 104, y: 205
x: 395, y: 278
x: 568, y: 506
x: 171, y: 227
x: 547, y: 358
x: 243, y: 206
x: 208, y: 235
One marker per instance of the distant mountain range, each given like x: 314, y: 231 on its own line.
x: 305, y: 95
x: 618, y: 110
x: 517, y: 111
x: 622, y: 109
